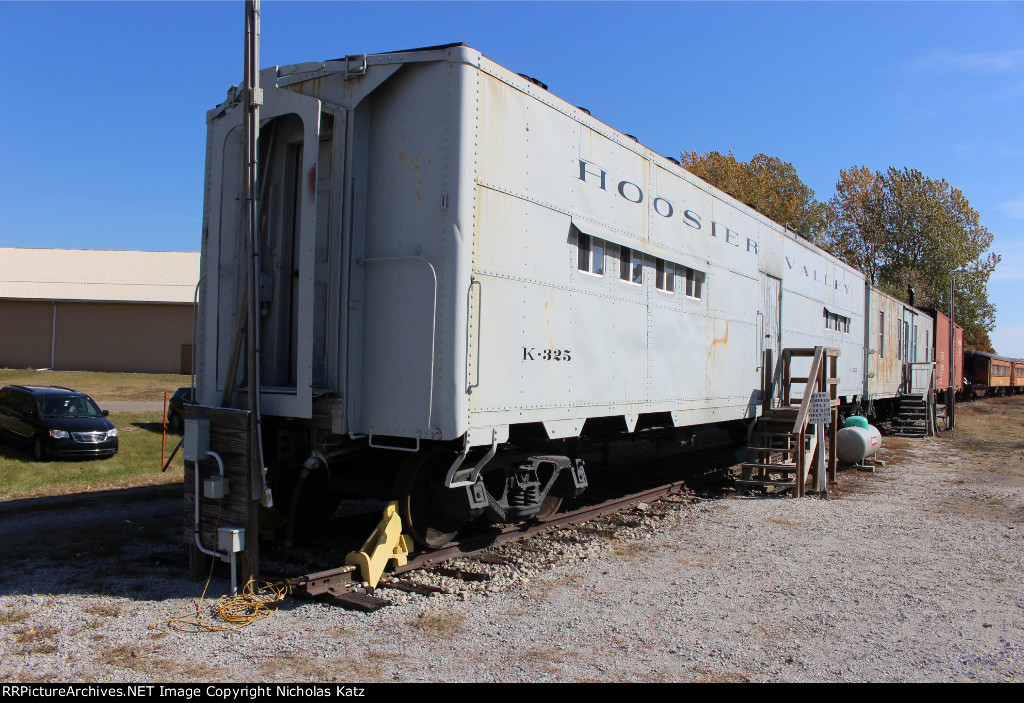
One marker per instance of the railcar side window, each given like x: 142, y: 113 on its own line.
x: 881, y: 335
x: 663, y: 276
x: 834, y: 321
x: 590, y: 257
x: 694, y: 282
x: 631, y: 266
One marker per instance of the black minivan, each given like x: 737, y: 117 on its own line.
x: 56, y: 421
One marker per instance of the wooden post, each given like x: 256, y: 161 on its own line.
x: 198, y: 564
x: 229, y: 438
x: 951, y: 407
x: 821, y: 472
x: 832, y: 461
x: 786, y: 358
x: 801, y: 465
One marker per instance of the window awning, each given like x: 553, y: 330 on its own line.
x: 636, y: 243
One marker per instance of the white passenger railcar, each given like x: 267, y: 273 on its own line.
x: 451, y: 254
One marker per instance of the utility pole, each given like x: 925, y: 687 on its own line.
x: 253, y: 100
x: 951, y: 410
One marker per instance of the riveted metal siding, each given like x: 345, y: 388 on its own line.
x: 415, y: 292
x: 942, y: 355
x: 468, y: 191
x: 549, y: 172
x: 770, y: 315
x: 886, y: 364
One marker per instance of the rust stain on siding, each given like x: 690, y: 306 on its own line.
x: 718, y: 352
x: 719, y: 341
x: 311, y: 182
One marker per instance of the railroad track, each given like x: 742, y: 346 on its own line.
x: 344, y: 585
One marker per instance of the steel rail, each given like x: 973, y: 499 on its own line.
x: 476, y: 543
x: 333, y: 580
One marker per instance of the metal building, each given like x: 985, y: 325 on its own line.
x: 89, y: 310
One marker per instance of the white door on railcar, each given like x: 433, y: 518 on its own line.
x: 771, y: 320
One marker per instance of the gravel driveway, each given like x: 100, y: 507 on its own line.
x: 912, y: 573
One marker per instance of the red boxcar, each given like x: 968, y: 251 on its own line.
x: 940, y: 351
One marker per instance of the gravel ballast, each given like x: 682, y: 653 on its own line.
x: 912, y: 573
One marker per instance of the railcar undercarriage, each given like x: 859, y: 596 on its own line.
x: 516, y: 485
x: 311, y: 472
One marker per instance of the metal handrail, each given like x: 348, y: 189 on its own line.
x: 918, y: 365
x: 474, y: 281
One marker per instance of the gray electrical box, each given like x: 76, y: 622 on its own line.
x: 216, y: 487
x: 231, y: 539
x: 197, y: 438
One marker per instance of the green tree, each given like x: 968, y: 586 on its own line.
x: 903, y: 228
x: 766, y: 183
x: 854, y: 230
x: 976, y: 339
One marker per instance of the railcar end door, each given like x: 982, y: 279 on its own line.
x: 770, y: 314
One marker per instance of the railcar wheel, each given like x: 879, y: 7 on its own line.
x: 428, y: 509
x: 548, y: 507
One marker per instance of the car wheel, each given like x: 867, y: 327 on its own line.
x: 38, y: 451
x: 174, y: 423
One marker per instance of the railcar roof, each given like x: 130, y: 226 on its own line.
x: 439, y: 47
x: 299, y: 72
x: 988, y: 355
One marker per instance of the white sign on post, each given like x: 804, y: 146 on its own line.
x: 820, y: 410
x: 820, y: 413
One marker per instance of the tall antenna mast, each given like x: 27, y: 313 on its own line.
x: 253, y: 98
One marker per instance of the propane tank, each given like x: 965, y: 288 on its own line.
x: 855, y: 443
x: 856, y: 421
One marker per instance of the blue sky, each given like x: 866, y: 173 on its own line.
x: 102, y: 119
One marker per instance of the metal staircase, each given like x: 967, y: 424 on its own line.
x: 782, y: 451
x: 916, y: 414
x: 912, y: 417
